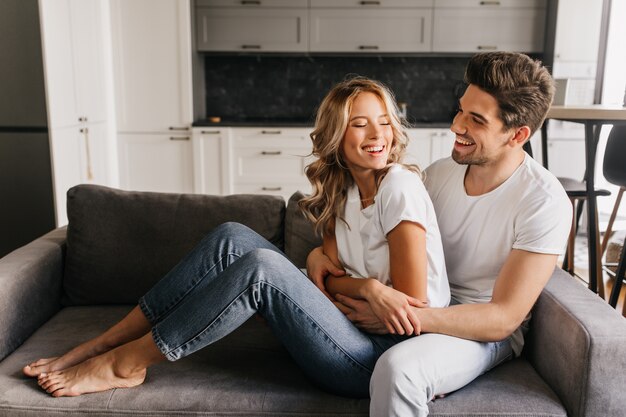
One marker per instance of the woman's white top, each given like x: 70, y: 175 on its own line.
x: 362, y: 238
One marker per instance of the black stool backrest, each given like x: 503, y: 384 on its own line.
x: 614, y: 166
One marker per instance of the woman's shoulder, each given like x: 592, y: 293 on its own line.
x: 401, y: 180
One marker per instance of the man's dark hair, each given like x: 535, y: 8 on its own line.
x: 522, y: 87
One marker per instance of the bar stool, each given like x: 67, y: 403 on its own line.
x: 614, y: 170
x: 576, y: 191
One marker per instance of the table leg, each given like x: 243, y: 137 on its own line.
x: 544, y: 144
x: 592, y: 134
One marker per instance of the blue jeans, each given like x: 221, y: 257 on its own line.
x: 234, y: 273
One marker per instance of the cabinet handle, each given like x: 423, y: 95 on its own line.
x: 271, y: 188
x: 250, y: 46
x: 369, y: 3
x: 487, y: 47
x: 489, y: 3
x: 251, y: 2
x: 209, y: 132
x: 178, y: 128
x: 271, y: 132
x: 82, y: 119
x: 271, y: 152
x: 85, y: 132
x: 368, y: 47
x: 179, y: 137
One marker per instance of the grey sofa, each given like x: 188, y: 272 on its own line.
x: 72, y: 283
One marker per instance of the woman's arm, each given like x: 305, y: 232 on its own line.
x: 408, y: 270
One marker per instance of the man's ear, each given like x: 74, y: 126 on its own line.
x: 520, y: 135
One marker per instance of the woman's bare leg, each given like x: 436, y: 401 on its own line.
x: 131, y: 327
x: 123, y: 367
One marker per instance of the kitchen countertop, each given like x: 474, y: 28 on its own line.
x: 293, y: 122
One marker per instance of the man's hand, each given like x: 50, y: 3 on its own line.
x: 318, y: 267
x: 361, y: 313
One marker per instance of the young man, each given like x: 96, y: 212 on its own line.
x: 503, y: 218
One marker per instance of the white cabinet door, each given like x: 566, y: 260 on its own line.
x: 484, y: 29
x: 56, y: 31
x: 253, y: 30
x: 567, y: 158
x: 428, y: 145
x: 89, y: 59
x: 367, y: 30
x: 210, y: 160
x: 156, y: 162
x: 375, y: 4
x: 419, y: 148
x: 67, y: 165
x: 152, y: 64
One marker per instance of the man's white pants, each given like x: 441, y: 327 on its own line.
x: 411, y: 373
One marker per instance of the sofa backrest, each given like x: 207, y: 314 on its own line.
x: 300, y: 237
x: 119, y: 243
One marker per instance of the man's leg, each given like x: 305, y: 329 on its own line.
x: 411, y: 373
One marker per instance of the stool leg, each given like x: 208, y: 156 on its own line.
x: 599, y: 272
x: 619, y: 277
x: 609, y: 227
x: 568, y: 261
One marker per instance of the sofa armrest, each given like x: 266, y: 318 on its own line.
x: 577, y: 343
x: 30, y: 288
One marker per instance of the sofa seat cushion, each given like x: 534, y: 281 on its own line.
x: 248, y: 373
x: 119, y: 243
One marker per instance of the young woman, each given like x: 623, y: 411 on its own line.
x: 378, y: 224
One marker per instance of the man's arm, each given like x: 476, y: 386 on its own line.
x: 519, y: 283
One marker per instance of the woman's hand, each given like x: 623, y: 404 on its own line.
x: 318, y: 267
x: 393, y: 308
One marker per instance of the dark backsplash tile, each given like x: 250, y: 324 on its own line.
x: 291, y: 87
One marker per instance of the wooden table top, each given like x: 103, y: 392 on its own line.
x: 588, y: 112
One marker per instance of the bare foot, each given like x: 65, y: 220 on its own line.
x: 133, y: 326
x: 71, y: 358
x: 94, y: 375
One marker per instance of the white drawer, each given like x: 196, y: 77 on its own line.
x: 270, y: 188
x: 273, y: 137
x: 370, y: 3
x: 486, y: 4
x: 262, y: 163
x: 252, y: 3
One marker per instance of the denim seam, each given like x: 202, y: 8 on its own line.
x: 168, y: 309
x: 225, y: 311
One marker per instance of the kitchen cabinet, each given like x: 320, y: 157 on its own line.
x: 74, y: 40
x: 475, y: 25
x: 362, y: 29
x: 269, y: 161
x: 152, y: 65
x: 428, y: 145
x: 252, y: 26
x: 153, y: 100
x: 156, y: 162
x: 211, y: 160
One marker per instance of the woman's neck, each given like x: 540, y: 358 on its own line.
x: 366, y: 183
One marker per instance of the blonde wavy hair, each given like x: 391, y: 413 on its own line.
x: 328, y: 174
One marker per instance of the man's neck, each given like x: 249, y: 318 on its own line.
x: 481, y: 179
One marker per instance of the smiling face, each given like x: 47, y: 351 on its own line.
x: 369, y: 136
x: 480, y: 135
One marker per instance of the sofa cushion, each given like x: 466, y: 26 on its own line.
x: 300, y: 238
x: 248, y: 373
x: 119, y: 243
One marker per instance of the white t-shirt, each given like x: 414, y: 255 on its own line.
x: 529, y: 211
x: 362, y: 242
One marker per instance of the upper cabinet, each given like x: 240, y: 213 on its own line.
x: 252, y: 25
x: 489, y: 25
x: 73, y: 45
x: 370, y: 26
x: 152, y: 65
